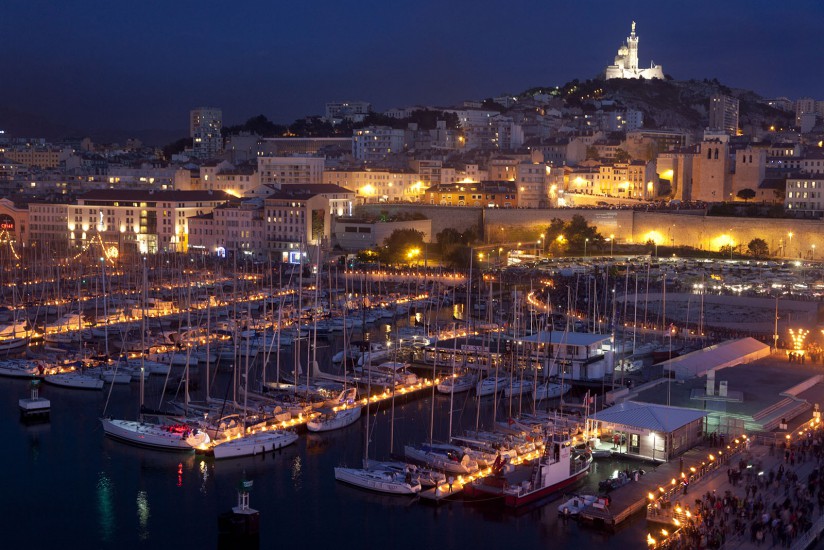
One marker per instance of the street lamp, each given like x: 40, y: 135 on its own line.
x: 611, y: 241
x: 585, y: 247
x: 812, y: 254
x: 538, y: 249
x: 790, y: 243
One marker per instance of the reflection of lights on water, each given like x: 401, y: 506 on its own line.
x: 297, y: 472
x: 180, y: 474
x: 105, y: 506
x: 204, y: 475
x: 143, y: 514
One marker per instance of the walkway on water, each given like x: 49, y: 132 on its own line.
x: 660, y: 483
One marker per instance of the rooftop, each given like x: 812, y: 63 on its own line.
x: 648, y: 416
x: 566, y: 338
x: 153, y: 196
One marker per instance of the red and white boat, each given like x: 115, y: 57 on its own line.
x: 559, y: 466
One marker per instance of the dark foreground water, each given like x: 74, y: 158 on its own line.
x: 63, y: 484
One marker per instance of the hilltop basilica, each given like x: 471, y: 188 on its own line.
x: 626, y: 62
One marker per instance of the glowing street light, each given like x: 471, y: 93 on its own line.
x: 412, y: 254
x: 611, y: 241
x: 798, y: 338
x: 585, y: 247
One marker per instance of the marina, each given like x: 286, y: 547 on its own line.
x: 480, y: 412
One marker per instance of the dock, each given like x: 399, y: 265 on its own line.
x: 660, y: 485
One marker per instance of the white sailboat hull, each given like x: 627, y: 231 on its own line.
x: 341, y: 419
x: 153, y: 435
x: 380, y: 481
x: 439, y: 460
x: 254, y: 444
x: 75, y: 380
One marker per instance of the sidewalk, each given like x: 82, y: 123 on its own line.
x: 772, y: 504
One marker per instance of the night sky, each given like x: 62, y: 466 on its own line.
x: 139, y: 65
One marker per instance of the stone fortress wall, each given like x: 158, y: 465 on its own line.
x: 690, y: 228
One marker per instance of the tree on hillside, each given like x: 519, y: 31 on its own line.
x: 176, y: 147
x: 758, y: 248
x: 402, y: 246
x: 745, y: 194
x: 622, y: 155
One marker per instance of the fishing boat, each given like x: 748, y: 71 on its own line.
x: 559, y: 466
x: 254, y: 444
x: 382, y: 481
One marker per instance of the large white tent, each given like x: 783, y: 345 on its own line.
x: 723, y: 355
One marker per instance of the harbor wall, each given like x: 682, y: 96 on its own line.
x: 690, y: 228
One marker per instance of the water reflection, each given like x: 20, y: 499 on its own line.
x: 297, y: 473
x: 143, y: 515
x: 204, y: 476
x: 105, y: 506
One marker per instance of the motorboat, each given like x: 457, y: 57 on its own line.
x: 254, y: 444
x: 575, y: 505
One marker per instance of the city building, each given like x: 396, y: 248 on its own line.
x: 375, y: 185
x: 14, y: 221
x: 205, y: 124
x: 804, y: 195
x: 295, y: 219
x: 487, y: 194
x: 149, y: 221
x: 724, y: 114
x: 231, y: 228
x: 803, y: 106
x: 354, y: 111
x: 375, y: 143
x: 294, y: 170
x: 626, y: 62
x: 636, y: 179
x: 712, y: 178
x: 38, y: 157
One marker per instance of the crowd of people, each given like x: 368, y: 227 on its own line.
x: 777, y: 505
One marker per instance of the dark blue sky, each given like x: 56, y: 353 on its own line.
x: 144, y: 64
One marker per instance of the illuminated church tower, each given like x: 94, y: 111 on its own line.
x: 626, y: 62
